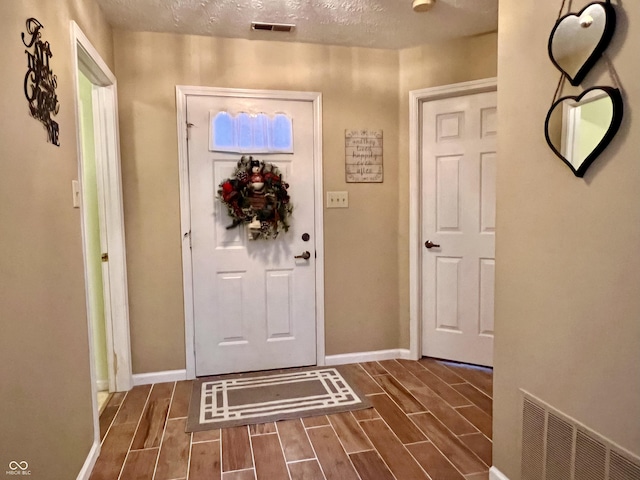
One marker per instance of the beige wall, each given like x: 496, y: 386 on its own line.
x: 359, y: 88
x: 366, y: 254
x: 461, y: 60
x: 44, y: 360
x: 568, y: 269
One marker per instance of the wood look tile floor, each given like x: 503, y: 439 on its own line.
x: 430, y: 420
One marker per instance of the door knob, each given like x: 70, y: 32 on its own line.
x: 304, y: 256
x: 430, y: 244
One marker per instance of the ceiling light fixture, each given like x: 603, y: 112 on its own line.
x: 423, y: 5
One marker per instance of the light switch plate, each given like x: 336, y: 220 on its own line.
x: 337, y: 199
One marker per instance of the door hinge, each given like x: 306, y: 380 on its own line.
x: 189, y: 125
x: 104, y: 257
x: 188, y: 235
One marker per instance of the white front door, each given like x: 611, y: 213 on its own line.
x: 458, y: 148
x: 254, y: 303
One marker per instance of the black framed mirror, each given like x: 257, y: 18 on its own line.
x: 578, y: 40
x: 579, y: 128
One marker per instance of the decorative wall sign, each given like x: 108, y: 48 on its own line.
x: 39, y: 82
x: 256, y: 195
x: 363, y: 156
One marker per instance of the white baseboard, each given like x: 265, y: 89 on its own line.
x: 102, y: 385
x: 90, y: 462
x: 374, y: 356
x: 495, y: 474
x: 159, y: 377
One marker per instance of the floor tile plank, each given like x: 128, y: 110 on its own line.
x: 151, y: 426
x: 307, y: 470
x: 268, y: 457
x: 236, y: 449
x: 392, y: 451
x: 181, y: 398
x: 113, y: 452
x: 478, y: 476
x: 373, y: 368
x: 404, y: 428
x: 478, y: 419
x: 480, y: 445
x: 206, y: 435
x: 443, y: 411
x: 440, y: 370
x: 402, y: 374
x: 241, y: 475
x: 294, y: 440
x: 140, y: 465
x: 366, y: 414
x: 116, y: 399
x: 205, y: 461
x: 479, y: 399
x: 361, y: 379
x: 399, y: 394
x: 481, y: 378
x: 262, y: 428
x: 435, y: 464
x: 370, y: 466
x: 332, y: 457
x: 174, y: 452
x: 349, y: 432
x: 133, y: 405
x: 106, y: 419
x: 455, y: 451
x: 320, y: 421
x: 443, y: 389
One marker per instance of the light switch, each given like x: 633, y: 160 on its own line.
x: 337, y: 199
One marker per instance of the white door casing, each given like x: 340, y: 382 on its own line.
x: 86, y: 59
x: 252, y: 304
x: 454, y: 149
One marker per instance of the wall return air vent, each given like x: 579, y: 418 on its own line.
x: 272, y: 27
x: 557, y: 447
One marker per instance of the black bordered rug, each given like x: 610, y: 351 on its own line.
x: 251, y: 398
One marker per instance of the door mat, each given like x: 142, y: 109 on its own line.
x: 245, y: 399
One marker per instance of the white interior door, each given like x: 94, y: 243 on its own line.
x: 254, y: 303
x: 458, y: 147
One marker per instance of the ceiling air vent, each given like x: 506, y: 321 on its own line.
x: 272, y: 27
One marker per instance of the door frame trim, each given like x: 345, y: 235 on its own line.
x: 416, y: 99
x: 182, y: 91
x: 86, y: 58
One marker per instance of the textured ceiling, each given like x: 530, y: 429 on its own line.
x: 365, y: 23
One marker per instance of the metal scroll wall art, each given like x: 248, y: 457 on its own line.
x: 40, y: 83
x: 578, y: 128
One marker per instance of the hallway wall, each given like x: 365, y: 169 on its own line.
x: 44, y: 344
x: 568, y: 269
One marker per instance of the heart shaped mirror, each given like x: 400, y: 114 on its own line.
x: 577, y: 41
x: 579, y: 128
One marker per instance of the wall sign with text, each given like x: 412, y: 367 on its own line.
x: 40, y: 83
x: 363, y: 156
